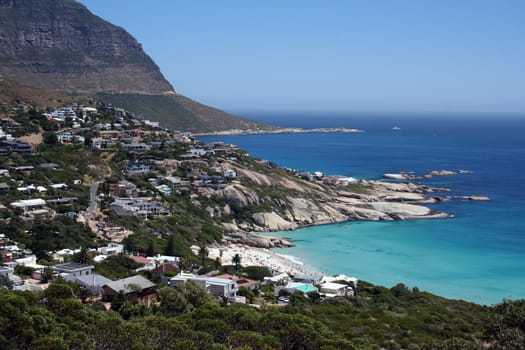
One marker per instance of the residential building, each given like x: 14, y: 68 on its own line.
x: 98, y: 143
x: 294, y: 287
x: 230, y: 173
x: 62, y: 113
x: 139, y: 207
x: 92, y: 282
x: 135, y: 147
x: 68, y: 138
x: 63, y: 200
x: 164, y: 189
x: 19, y: 147
x: 133, y: 168
x: 136, y: 288
x: 123, y: 188
x: 218, y: 287
x: 241, y: 281
x: 111, y: 249
x: 53, y: 166
x: 73, y: 269
x: 331, y: 289
x: 196, y: 152
x: 31, y: 206
x: 8, y: 272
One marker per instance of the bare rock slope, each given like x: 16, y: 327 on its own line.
x: 281, y: 201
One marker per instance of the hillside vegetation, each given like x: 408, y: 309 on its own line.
x: 179, y: 113
x: 186, y: 318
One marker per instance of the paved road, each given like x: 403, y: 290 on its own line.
x: 92, y: 198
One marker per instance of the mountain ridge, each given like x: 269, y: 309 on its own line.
x: 60, y: 46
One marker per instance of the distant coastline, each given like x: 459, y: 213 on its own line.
x: 233, y: 132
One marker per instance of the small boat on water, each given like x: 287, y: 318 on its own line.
x: 396, y: 128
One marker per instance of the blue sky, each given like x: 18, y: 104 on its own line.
x: 459, y: 56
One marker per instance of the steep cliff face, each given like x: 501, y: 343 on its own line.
x: 60, y: 45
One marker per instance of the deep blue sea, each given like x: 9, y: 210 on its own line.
x: 478, y: 255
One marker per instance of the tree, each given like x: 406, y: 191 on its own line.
x: 47, y: 275
x: 151, y: 248
x: 82, y: 257
x: 217, y: 263
x: 5, y: 282
x: 184, y: 264
x: 170, y: 246
x: 50, y: 137
x: 247, y: 293
x: 23, y: 271
x: 203, y: 253
x: 237, y: 261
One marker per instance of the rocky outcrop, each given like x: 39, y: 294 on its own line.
x: 239, y: 195
x: 255, y: 240
x: 477, y: 198
x: 272, y: 222
x: 401, y: 176
x: 277, y: 203
x: 446, y: 173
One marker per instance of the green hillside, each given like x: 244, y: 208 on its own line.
x: 179, y: 113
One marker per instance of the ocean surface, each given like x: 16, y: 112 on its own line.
x: 478, y: 255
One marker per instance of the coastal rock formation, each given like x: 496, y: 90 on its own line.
x: 477, y: 198
x: 405, y: 211
x: 239, y: 195
x: 446, y: 173
x: 272, y: 222
x: 314, y: 203
x: 255, y: 240
x: 401, y: 176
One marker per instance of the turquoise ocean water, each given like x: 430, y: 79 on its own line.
x: 478, y: 255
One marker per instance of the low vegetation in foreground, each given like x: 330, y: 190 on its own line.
x: 188, y: 318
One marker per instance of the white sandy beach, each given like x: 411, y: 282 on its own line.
x: 251, y: 256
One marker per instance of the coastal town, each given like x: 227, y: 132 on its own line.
x: 288, y: 176
x: 36, y: 191
x: 141, y: 171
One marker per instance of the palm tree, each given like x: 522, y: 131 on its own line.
x: 237, y: 261
x: 203, y: 253
x: 183, y: 264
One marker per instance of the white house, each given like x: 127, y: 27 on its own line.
x: 229, y: 173
x: 31, y: 206
x: 29, y: 261
x: 216, y: 286
x: 111, y: 249
x: 62, y: 113
x: 331, y: 289
x: 73, y: 269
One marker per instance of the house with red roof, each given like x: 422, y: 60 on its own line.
x: 241, y: 281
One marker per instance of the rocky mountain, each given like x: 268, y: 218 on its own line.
x: 59, y: 45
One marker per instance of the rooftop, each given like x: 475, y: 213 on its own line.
x: 126, y: 285
x: 71, y: 266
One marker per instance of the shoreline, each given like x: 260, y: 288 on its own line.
x: 252, y: 256
x: 239, y: 132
